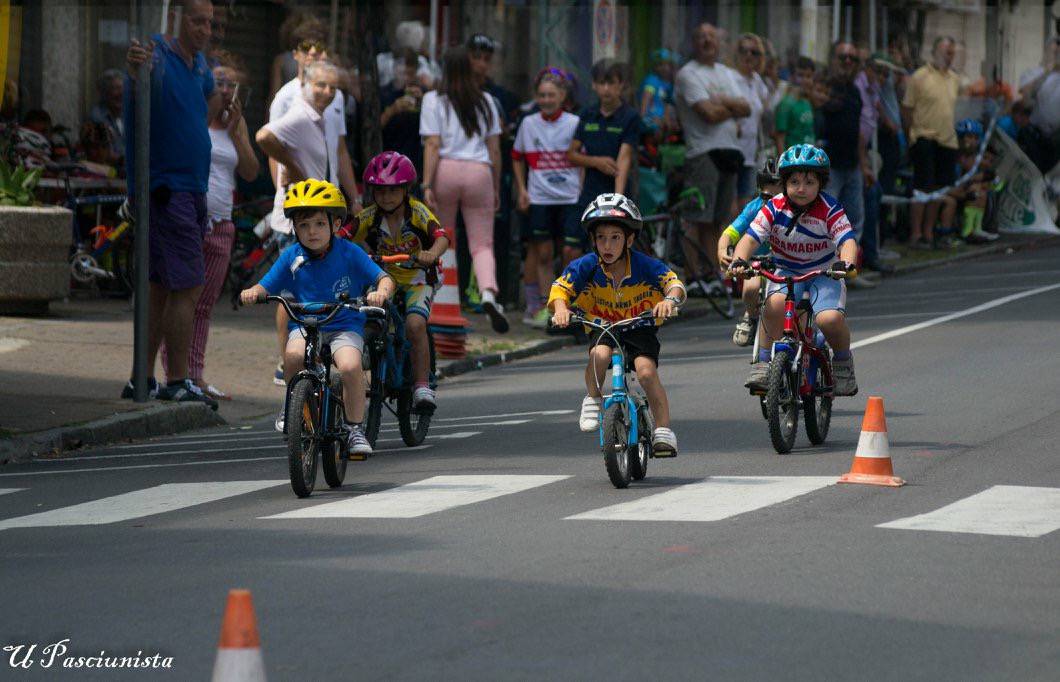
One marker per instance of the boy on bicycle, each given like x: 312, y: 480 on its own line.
x: 396, y: 224
x: 768, y: 187
x: 319, y: 268
x: 804, y: 227
x: 615, y: 283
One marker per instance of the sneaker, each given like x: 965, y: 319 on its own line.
x: 664, y: 442
x: 277, y: 377
x: 186, y: 392
x: 745, y: 331
x: 281, y: 417
x: 129, y: 390
x: 714, y: 288
x: 528, y: 318
x: 356, y: 442
x: 845, y: 381
x: 423, y: 398
x: 757, y: 377
x: 589, y: 420
x: 541, y: 319
x: 980, y: 237
x: 694, y: 288
x: 495, y: 311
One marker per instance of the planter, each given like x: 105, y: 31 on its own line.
x: 34, y: 258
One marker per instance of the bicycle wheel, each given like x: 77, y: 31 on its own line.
x: 124, y: 256
x: 413, y: 424
x: 817, y: 412
x: 640, y: 452
x: 303, y: 441
x: 373, y: 411
x: 782, y: 404
x: 333, y: 458
x: 616, y: 450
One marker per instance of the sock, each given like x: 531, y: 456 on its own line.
x: 979, y: 213
x: 421, y: 384
x: 533, y: 297
x: 765, y: 355
x: 842, y: 355
x: 973, y: 220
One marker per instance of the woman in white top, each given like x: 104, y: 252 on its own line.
x: 461, y: 131
x: 231, y: 153
x: 750, y: 53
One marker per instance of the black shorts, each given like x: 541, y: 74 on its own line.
x: 550, y: 222
x: 640, y: 342
x: 934, y: 166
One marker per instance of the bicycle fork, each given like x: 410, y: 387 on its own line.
x: 619, y: 395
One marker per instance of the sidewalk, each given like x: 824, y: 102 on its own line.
x: 64, y: 372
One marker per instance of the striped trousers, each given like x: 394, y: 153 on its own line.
x: 216, y: 251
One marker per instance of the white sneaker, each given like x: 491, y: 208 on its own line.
x: 423, y: 397
x: 495, y: 311
x: 357, y: 444
x: 280, y: 418
x: 589, y: 420
x: 664, y: 442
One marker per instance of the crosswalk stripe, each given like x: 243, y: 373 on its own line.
x: 422, y: 497
x: 1020, y: 511
x: 712, y: 499
x: 146, y: 502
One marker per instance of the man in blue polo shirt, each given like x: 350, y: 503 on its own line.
x: 182, y: 101
x: 605, y: 144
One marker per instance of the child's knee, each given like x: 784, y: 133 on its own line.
x: 415, y: 325
x: 647, y: 371
x: 831, y: 319
x: 348, y: 360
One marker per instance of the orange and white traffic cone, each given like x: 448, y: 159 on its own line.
x: 239, y: 653
x: 872, y: 461
x: 445, y: 311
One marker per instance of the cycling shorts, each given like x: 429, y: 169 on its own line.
x: 825, y: 293
x: 418, y: 299
x: 335, y: 339
x: 636, y: 343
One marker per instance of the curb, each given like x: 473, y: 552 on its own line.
x: 157, y: 420
x: 993, y: 249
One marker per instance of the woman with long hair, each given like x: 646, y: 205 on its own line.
x: 461, y: 128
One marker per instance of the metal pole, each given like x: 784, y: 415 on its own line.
x: 142, y: 192
x: 836, y: 10
x: 433, y: 43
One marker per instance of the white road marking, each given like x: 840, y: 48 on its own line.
x: 243, y: 433
x: 182, y: 464
x: 210, y: 441
x: 954, y: 316
x: 1020, y: 511
x: 545, y: 413
x: 442, y: 436
x: 509, y: 422
x: 276, y: 437
x: 5, y: 491
x: 8, y: 344
x: 133, y: 505
x: 424, y: 497
x: 713, y: 499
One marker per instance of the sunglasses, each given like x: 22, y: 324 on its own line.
x: 750, y: 52
x: 310, y: 45
x: 847, y: 57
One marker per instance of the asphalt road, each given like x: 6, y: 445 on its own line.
x: 729, y: 562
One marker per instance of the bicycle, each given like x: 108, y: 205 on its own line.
x: 664, y: 237
x: 314, y: 410
x: 388, y: 357
x: 252, y: 255
x: 626, y: 423
x: 800, y: 369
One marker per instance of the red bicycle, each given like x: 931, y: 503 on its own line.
x: 800, y: 371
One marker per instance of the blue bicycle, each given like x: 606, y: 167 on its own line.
x: 626, y: 424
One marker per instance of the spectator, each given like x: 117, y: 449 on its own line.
x: 927, y: 113
x: 300, y: 29
x: 409, y: 35
x: 107, y: 112
x: 230, y: 153
x: 401, y: 101
x: 750, y: 55
x: 605, y: 144
x: 550, y: 193
x: 842, y: 136
x: 793, y: 119
x: 868, y: 85
x: 32, y: 142
x: 461, y: 128
x: 482, y: 49
x: 1041, y: 85
x: 218, y: 30
x: 708, y: 106
x: 657, y: 95
x: 890, y: 119
x: 183, y: 100
x: 1018, y: 118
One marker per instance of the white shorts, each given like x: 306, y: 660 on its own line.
x: 825, y: 293
x: 336, y: 339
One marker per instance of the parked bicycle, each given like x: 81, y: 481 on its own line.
x: 663, y: 236
x: 800, y: 368
x: 255, y: 248
x: 314, y: 408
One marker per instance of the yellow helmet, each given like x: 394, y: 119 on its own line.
x: 314, y: 193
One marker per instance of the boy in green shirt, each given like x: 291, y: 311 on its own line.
x: 794, y: 115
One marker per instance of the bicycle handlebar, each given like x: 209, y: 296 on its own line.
x: 607, y: 326
x: 332, y: 308
x: 763, y: 268
x: 405, y: 260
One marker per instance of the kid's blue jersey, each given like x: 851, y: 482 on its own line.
x: 586, y: 285
x: 345, y: 269
x: 740, y: 225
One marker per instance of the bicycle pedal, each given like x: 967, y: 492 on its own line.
x: 663, y: 454
x: 356, y: 458
x: 756, y: 391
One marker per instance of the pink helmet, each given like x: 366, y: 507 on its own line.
x: 390, y: 169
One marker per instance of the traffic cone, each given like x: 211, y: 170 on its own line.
x: 872, y: 461
x: 445, y: 310
x: 239, y: 653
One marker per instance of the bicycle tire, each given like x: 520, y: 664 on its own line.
x: 373, y: 411
x: 782, y: 404
x: 303, y: 443
x: 817, y: 413
x: 616, y: 450
x: 333, y: 457
x: 641, y: 451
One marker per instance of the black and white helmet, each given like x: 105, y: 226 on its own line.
x: 615, y: 209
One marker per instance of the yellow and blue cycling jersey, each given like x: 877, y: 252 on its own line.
x: 418, y: 232
x: 742, y: 223
x: 585, y: 284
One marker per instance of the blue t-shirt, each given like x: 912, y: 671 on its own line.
x: 739, y: 226
x: 180, y: 140
x: 604, y: 136
x: 662, y: 93
x: 346, y: 269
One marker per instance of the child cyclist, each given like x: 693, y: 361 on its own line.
x: 805, y: 228
x: 319, y: 268
x: 768, y: 187
x: 394, y: 224
x: 614, y: 283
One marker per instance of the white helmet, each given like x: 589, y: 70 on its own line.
x: 615, y: 209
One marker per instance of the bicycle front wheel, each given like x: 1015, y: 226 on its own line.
x: 616, y: 447
x: 303, y: 437
x: 782, y: 403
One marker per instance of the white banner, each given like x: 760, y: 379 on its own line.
x: 1023, y: 206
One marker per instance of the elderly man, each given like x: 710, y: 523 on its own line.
x: 183, y: 99
x: 708, y: 104
x: 111, y: 88
x: 927, y: 114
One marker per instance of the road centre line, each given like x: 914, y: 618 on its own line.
x: 183, y: 464
x: 954, y: 315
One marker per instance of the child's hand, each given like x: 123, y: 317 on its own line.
x: 663, y: 309
x: 376, y: 298
x: 724, y: 257
x: 523, y: 202
x: 740, y: 269
x: 425, y: 259
x: 561, y: 318
x: 607, y: 165
x: 249, y: 296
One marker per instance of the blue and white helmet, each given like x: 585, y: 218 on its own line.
x: 970, y: 126
x: 803, y: 157
x: 614, y: 209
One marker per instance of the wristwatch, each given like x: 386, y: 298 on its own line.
x: 672, y: 299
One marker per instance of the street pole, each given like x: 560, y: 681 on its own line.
x: 142, y: 192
